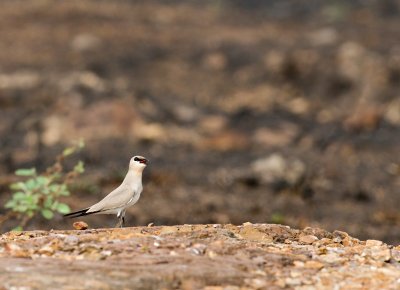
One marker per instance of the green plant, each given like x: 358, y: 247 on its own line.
x: 42, y: 193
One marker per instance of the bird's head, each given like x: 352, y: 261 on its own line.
x: 138, y: 163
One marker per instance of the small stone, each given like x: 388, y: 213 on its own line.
x: 275, y: 167
x: 376, y: 252
x: 393, y: 169
x: 331, y: 258
x: 372, y: 243
x: 313, y: 265
x: 280, y: 283
x: 197, y: 249
x: 46, y: 250
x: 173, y: 253
x: 324, y: 241
x: 225, y: 141
x: 340, y: 234
x: 293, y: 281
x: 21, y: 80
x: 80, y: 225
x: 212, y: 254
x: 323, y: 36
x: 309, y: 239
x: 215, y: 61
x: 350, y: 57
x: 15, y: 250
x: 296, y: 274
x: 185, y: 113
x: 71, y: 239
x: 299, y: 106
x: 106, y: 253
x: 256, y: 283
x: 298, y: 264
x: 168, y: 230
x: 395, y: 252
x: 392, y: 114
x: 213, y: 124
x: 149, y: 131
x: 85, y: 42
x: 52, y: 132
x: 363, y: 119
x: 347, y: 242
x: 281, y: 136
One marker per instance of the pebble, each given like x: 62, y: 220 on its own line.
x: 395, y: 253
x: 373, y: 243
x: 309, y: 239
x: 275, y: 167
x: 80, y: 225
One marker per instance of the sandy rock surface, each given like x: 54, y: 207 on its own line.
x: 249, y: 256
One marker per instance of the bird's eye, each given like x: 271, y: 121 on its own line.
x: 136, y: 159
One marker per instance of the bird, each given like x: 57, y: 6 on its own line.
x: 124, y: 196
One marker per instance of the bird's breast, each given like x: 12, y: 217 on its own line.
x: 136, y: 190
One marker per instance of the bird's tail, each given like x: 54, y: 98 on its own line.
x: 78, y: 213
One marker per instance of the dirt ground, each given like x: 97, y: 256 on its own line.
x: 211, y: 257
x: 269, y: 111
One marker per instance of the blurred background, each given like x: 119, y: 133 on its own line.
x: 271, y: 111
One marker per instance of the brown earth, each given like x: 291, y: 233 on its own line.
x: 270, y: 111
x: 250, y: 256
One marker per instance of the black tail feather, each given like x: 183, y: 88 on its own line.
x: 78, y: 213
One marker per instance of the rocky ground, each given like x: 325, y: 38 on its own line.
x: 270, y: 111
x: 213, y: 257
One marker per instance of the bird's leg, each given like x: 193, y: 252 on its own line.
x: 119, y: 223
x: 121, y: 219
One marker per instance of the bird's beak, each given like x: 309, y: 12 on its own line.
x: 144, y: 161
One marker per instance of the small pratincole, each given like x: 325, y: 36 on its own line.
x: 124, y: 196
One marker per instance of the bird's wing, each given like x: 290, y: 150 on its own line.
x: 115, y: 199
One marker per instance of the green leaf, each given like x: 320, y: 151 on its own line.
x: 26, y: 172
x: 20, y: 208
x: 63, y: 208
x: 28, y: 199
x: 18, y: 186
x: 15, y: 186
x: 31, y: 184
x: 33, y: 207
x: 19, y: 195
x: 54, y: 176
x: 42, y: 180
x: 10, y: 204
x: 48, y: 202
x: 79, y: 168
x: 54, y: 187
x: 63, y: 190
x: 45, y: 190
x: 68, y: 151
x: 36, y: 198
x: 17, y: 229
x: 54, y: 205
x: 46, y: 213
